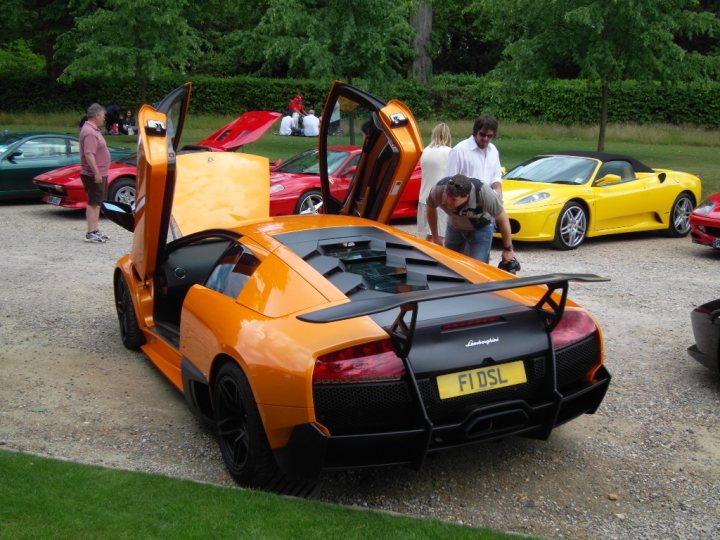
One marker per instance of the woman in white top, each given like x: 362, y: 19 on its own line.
x: 433, y: 162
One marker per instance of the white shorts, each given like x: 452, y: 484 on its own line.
x: 423, y: 229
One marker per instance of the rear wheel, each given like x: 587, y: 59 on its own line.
x: 130, y: 333
x: 309, y: 202
x: 242, y: 439
x: 680, y: 216
x: 571, y: 227
x: 123, y: 190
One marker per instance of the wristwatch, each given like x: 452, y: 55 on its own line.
x: 508, y: 248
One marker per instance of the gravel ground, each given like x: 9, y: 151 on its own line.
x: 646, y: 465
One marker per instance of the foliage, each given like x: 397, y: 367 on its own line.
x: 450, y: 97
x: 17, y: 57
x: 334, y: 39
x: 118, y: 41
x: 599, y: 40
x: 461, y: 41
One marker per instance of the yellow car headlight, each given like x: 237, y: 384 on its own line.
x: 535, y: 197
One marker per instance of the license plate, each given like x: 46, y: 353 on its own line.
x: 716, y: 243
x: 483, y: 379
x: 54, y: 200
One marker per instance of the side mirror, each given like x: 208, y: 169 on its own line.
x: 15, y: 154
x: 120, y: 213
x: 608, y: 179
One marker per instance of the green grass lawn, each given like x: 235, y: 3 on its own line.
x: 45, y: 498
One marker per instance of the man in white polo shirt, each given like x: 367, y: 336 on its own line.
x: 476, y: 156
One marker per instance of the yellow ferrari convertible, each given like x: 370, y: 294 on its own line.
x: 318, y: 342
x: 566, y: 197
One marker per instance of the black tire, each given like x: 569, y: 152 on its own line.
x: 123, y: 190
x: 309, y: 202
x: 240, y: 432
x: 679, y: 222
x: 130, y: 333
x: 571, y: 227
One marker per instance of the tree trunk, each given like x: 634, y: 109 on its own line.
x: 605, y: 91
x: 422, y: 64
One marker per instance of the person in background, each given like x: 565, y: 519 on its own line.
x: 128, y: 123
x: 296, y: 111
x: 335, y: 120
x: 476, y: 156
x: 433, y: 162
x: 113, y: 119
x: 286, y: 125
x: 94, y: 166
x: 471, y: 207
x: 311, y: 124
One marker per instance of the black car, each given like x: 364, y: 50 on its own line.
x: 706, y: 328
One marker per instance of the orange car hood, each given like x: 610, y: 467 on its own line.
x: 219, y: 190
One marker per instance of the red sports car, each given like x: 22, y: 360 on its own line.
x: 63, y: 187
x: 295, y: 183
x: 705, y: 222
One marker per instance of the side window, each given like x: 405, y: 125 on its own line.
x: 622, y: 168
x: 74, y: 147
x: 43, y: 148
x: 232, y: 271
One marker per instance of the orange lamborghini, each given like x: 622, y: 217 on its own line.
x: 330, y: 341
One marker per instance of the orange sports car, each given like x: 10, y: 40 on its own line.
x: 329, y: 341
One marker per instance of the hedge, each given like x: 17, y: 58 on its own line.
x: 450, y: 97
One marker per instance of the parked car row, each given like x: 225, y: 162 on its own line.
x: 24, y: 155
x: 294, y: 183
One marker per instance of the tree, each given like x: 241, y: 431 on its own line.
x: 129, y: 39
x: 422, y: 23
x: 601, y: 40
x: 16, y: 57
x: 337, y: 38
x: 461, y: 41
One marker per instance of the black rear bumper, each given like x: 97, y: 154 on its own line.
x: 309, y: 450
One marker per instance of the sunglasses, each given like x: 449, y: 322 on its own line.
x: 485, y: 135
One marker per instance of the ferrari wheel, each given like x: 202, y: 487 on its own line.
x: 242, y: 439
x: 130, y: 333
x: 309, y: 203
x: 680, y: 216
x: 571, y: 227
x: 123, y: 190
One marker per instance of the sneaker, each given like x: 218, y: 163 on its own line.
x: 102, y: 235
x: 94, y: 237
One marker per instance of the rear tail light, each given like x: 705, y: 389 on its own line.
x: 573, y: 327
x: 369, y: 362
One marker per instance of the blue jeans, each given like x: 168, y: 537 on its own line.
x: 477, y: 242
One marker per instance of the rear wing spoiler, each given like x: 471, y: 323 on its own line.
x: 402, y: 331
x: 360, y: 308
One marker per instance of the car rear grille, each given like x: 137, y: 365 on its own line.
x: 364, y: 407
x: 575, y: 361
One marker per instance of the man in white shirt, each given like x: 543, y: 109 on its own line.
x: 311, y: 124
x: 286, y: 125
x: 477, y: 157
